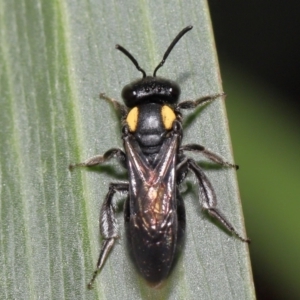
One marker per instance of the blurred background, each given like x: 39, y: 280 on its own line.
x: 258, y: 49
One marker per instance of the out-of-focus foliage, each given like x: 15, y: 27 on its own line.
x: 266, y: 145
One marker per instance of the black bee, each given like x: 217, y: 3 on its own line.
x: 156, y: 163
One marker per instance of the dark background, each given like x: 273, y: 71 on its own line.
x: 258, y: 49
x: 262, y: 37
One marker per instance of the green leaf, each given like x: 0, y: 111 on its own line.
x: 56, y: 57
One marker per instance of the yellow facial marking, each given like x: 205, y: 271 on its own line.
x: 132, y: 119
x: 168, y: 116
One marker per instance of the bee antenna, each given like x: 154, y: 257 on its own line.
x: 120, y: 48
x: 175, y: 41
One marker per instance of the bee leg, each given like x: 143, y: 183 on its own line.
x: 208, y: 154
x: 108, y: 225
x: 209, y: 201
x: 99, y: 159
x: 119, y: 107
x: 191, y: 104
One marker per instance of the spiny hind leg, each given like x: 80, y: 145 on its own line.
x: 108, y: 226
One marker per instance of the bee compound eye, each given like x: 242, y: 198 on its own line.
x: 175, y: 91
x: 129, y: 95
